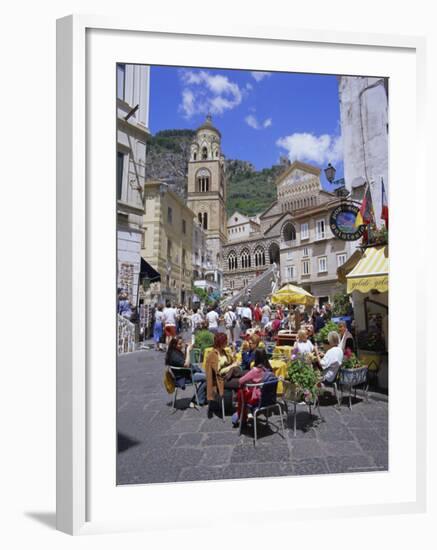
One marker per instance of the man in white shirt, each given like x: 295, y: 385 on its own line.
x: 213, y: 318
x: 333, y: 358
x: 246, y: 318
x: 170, y: 317
x: 266, y: 312
x: 230, y: 322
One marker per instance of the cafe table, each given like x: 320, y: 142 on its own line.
x: 279, y: 368
x: 282, y: 352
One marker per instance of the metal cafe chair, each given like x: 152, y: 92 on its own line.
x: 195, y: 356
x: 335, y: 367
x: 267, y: 402
x: 182, y: 382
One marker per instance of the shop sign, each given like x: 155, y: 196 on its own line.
x: 342, y: 222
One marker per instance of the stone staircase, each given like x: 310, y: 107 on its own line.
x: 260, y: 289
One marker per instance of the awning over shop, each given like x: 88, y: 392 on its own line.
x: 149, y: 272
x: 371, y: 272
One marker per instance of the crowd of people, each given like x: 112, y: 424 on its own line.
x: 230, y: 368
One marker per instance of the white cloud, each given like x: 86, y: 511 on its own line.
x: 309, y: 147
x: 253, y: 122
x: 204, y: 92
x: 188, y: 102
x: 259, y: 75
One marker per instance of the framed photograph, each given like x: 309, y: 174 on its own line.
x: 223, y: 220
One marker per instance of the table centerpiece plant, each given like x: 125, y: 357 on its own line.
x: 305, y: 381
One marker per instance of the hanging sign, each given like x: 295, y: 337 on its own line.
x: 342, y: 222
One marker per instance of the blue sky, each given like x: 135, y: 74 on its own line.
x: 260, y: 115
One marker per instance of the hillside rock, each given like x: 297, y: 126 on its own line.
x: 249, y: 191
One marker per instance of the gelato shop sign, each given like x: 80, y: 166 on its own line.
x: 342, y: 222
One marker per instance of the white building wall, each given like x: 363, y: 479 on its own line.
x: 364, y: 128
x: 131, y: 142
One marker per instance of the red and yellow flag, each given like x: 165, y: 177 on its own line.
x: 365, y: 215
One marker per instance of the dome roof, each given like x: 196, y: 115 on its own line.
x: 208, y: 125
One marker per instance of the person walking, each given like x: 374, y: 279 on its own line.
x: 230, y: 319
x: 266, y: 312
x: 158, y: 327
x: 257, y: 315
x: 246, y: 318
x: 213, y: 320
x: 170, y: 319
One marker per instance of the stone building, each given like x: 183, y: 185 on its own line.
x: 168, y: 229
x: 206, y: 190
x: 293, y: 232
x: 206, y: 275
x: 132, y: 132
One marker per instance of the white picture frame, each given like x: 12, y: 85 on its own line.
x: 77, y: 299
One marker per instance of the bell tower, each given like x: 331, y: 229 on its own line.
x: 207, y: 186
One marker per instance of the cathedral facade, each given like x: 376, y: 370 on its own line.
x: 293, y: 232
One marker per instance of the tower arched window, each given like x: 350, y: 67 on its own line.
x: 289, y: 232
x: 232, y: 260
x: 204, y: 153
x: 194, y: 156
x: 245, y: 258
x: 205, y: 220
x: 260, y: 258
x: 203, y: 178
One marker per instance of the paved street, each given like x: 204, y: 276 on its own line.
x: 156, y: 446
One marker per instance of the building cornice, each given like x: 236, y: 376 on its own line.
x: 297, y: 164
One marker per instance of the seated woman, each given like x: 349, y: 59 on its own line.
x: 221, y: 369
x: 303, y: 344
x: 176, y: 357
x: 248, y: 356
x: 256, y: 375
x: 347, y: 340
x: 333, y: 358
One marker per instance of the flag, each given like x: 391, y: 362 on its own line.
x: 365, y: 215
x: 384, y: 204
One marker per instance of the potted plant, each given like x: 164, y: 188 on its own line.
x: 303, y: 381
x: 203, y: 339
x: 353, y: 371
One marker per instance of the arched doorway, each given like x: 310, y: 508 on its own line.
x: 274, y: 253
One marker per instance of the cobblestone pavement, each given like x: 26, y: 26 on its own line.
x: 156, y: 446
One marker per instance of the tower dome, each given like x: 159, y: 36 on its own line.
x: 208, y: 125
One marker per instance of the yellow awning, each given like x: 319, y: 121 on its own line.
x: 371, y: 272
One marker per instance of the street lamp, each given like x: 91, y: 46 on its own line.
x: 330, y: 172
x: 341, y: 190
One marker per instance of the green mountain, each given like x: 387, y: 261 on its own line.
x: 249, y: 191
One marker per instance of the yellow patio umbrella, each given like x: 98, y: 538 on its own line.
x: 293, y: 295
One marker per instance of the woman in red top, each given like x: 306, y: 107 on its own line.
x: 253, y: 376
x: 257, y: 314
